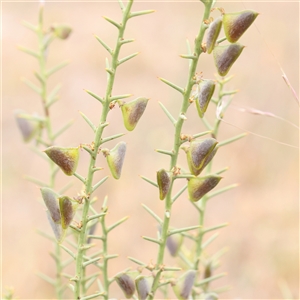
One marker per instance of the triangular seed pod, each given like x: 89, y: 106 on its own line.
x: 174, y: 243
x: 28, y: 128
x: 206, y: 91
x: 184, y: 285
x: 225, y: 56
x: 199, y: 186
x: 126, y: 283
x: 164, y: 182
x: 51, y: 201
x: 235, y: 24
x: 115, y: 159
x: 143, y: 284
x: 66, y: 158
x: 61, y: 31
x: 132, y: 112
x: 199, y: 154
x: 212, y: 34
x: 67, y: 210
x: 56, y: 227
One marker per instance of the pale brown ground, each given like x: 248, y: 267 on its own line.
x: 263, y: 212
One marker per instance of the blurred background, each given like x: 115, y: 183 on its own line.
x: 263, y: 236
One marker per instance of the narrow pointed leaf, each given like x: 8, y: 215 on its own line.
x: 29, y: 51
x: 32, y: 85
x: 112, y: 22
x: 57, y: 68
x: 104, y: 44
x: 90, y: 123
x: 63, y: 129
x: 100, y: 99
x: 173, y: 85
x: 149, y: 181
x: 141, y: 13
x: 121, y: 61
x: 168, y: 114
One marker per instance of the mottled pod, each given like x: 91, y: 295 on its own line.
x: 51, y: 200
x: 184, y: 285
x: 132, y: 112
x: 164, y: 182
x: 225, y: 56
x: 143, y: 284
x: 199, y: 186
x: 115, y: 159
x: 206, y: 90
x: 174, y: 243
x: 28, y: 128
x: 61, y: 31
x: 56, y: 227
x: 66, y: 158
x: 212, y: 34
x: 235, y: 24
x: 199, y: 154
x: 67, y: 210
x: 126, y: 283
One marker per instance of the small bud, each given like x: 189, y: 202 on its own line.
x: 206, y: 90
x: 132, y: 112
x: 199, y: 154
x: 62, y: 31
x: 56, y: 227
x: 174, y: 243
x: 184, y: 285
x: 67, y: 210
x: 235, y: 24
x: 207, y: 271
x: 115, y: 158
x: 225, y: 56
x: 126, y: 283
x: 51, y: 201
x: 164, y: 182
x: 66, y: 158
x: 212, y: 34
x: 143, y: 285
x: 27, y: 127
x: 199, y: 186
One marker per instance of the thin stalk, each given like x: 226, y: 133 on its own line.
x: 176, y: 145
x: 93, y: 156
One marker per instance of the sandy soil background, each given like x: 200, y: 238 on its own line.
x: 263, y: 236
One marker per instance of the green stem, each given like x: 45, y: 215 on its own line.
x: 93, y: 157
x: 177, y: 144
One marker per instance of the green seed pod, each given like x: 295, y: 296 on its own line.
x: 184, y: 285
x: 51, y: 201
x: 67, y: 210
x: 225, y: 56
x: 126, y: 283
x: 199, y: 186
x: 206, y: 90
x: 132, y: 112
x: 174, y: 243
x: 235, y: 24
x: 164, y: 182
x: 61, y: 31
x: 199, y: 154
x: 66, y: 158
x: 143, y: 286
x: 115, y: 158
x: 56, y: 227
x: 28, y: 128
x: 212, y: 34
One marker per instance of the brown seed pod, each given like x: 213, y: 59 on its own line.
x: 164, y: 182
x: 184, y: 285
x: 174, y: 243
x: 115, y: 159
x: 67, y: 210
x: 235, y: 24
x: 132, y: 112
x: 66, y: 158
x: 206, y: 90
x: 225, y: 56
x: 28, y: 128
x: 199, y: 154
x: 61, y: 31
x: 51, y: 200
x: 143, y: 284
x: 199, y: 186
x: 126, y: 283
x: 212, y: 34
x: 56, y: 227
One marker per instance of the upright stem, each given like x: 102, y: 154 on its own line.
x: 177, y: 143
x: 93, y: 157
